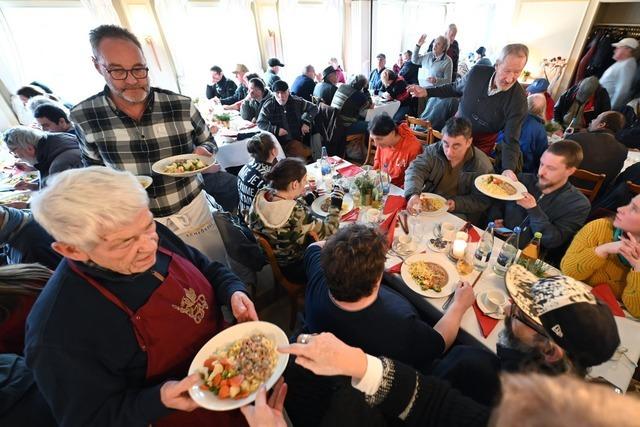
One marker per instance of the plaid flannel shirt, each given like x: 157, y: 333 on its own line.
x: 170, y: 125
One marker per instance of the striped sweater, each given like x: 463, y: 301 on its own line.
x: 582, y: 263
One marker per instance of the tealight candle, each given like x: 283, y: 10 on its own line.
x: 459, y: 245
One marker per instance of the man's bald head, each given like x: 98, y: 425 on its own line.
x: 537, y: 105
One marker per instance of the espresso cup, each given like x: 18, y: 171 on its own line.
x: 447, y: 231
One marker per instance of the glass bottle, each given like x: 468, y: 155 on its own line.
x: 531, y: 252
x: 485, y: 247
x: 507, y: 253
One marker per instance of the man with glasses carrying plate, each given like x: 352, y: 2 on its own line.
x: 131, y: 125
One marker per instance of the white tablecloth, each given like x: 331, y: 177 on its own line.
x: 386, y: 107
x: 633, y: 157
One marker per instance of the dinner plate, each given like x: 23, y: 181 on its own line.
x: 207, y: 399
x: 159, y: 166
x: 443, y: 262
x: 437, y: 212
x: 15, y: 196
x: 12, y: 180
x: 488, y: 312
x: 144, y: 180
x: 316, y: 206
x: 520, y: 188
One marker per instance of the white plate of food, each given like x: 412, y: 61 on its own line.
x: 432, y: 204
x: 144, y: 180
x: 13, y: 180
x: 15, y: 197
x: 320, y: 206
x: 431, y: 275
x: 500, y: 187
x: 248, y: 343
x: 182, y: 165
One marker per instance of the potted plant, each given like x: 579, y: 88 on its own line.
x: 223, y: 118
x: 365, y: 184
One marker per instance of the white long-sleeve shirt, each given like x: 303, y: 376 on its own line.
x: 617, y: 81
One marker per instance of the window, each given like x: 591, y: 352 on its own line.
x: 203, y: 34
x: 51, y: 45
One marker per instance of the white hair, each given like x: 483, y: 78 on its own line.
x: 79, y: 205
x: 444, y: 41
x: 537, y: 105
x: 22, y: 137
x: 515, y: 49
x: 38, y: 100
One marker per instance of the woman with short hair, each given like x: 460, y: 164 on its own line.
x: 284, y: 218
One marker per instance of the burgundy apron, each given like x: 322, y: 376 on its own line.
x: 178, y: 319
x: 486, y: 142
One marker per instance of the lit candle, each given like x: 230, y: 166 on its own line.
x: 459, y: 245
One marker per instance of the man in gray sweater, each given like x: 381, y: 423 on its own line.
x: 449, y: 169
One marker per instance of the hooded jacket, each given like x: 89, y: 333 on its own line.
x: 286, y: 223
x: 57, y: 152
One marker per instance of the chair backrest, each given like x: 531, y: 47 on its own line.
x: 634, y: 188
x: 239, y: 241
x: 595, y: 179
x: 290, y: 287
x: 425, y: 136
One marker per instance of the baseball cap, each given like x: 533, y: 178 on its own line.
x: 381, y: 56
x: 568, y: 312
x: 274, y: 61
x: 629, y: 42
x: 240, y: 68
x: 538, y: 86
x: 279, y: 86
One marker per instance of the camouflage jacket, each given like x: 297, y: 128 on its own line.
x: 286, y: 223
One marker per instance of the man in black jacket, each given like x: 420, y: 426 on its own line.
x: 220, y: 86
x: 552, y: 205
x: 49, y: 153
x: 289, y: 118
x: 602, y: 152
x: 493, y: 101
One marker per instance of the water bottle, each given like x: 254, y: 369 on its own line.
x: 485, y: 247
x: 325, y: 166
x: 386, y: 179
x: 507, y: 253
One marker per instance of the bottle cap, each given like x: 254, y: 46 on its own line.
x: 491, y: 224
x: 537, y: 235
x: 516, y: 230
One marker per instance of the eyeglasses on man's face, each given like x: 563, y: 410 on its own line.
x: 516, y: 313
x: 138, y: 73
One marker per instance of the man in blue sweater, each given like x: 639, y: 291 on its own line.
x: 125, y: 311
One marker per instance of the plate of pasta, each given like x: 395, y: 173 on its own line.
x: 500, y: 187
x: 236, y: 362
x: 431, y: 275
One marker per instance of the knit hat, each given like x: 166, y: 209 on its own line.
x: 629, y: 42
x: 327, y: 71
x: 274, y: 61
x: 538, y: 86
x: 569, y: 313
x: 279, y: 86
x: 481, y: 51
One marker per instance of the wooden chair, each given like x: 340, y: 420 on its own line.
x: 596, y: 181
x: 424, y: 137
x: 294, y: 290
x: 634, y: 188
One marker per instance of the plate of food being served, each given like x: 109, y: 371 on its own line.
x: 320, y: 206
x: 432, y: 204
x: 236, y: 362
x: 431, y: 275
x: 182, y: 165
x: 500, y: 187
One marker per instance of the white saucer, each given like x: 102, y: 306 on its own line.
x: 485, y: 310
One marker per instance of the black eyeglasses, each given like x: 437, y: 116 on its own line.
x: 516, y: 313
x: 138, y: 73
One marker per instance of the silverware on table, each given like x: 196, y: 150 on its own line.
x: 449, y: 300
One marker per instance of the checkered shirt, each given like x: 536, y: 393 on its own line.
x: 170, y: 125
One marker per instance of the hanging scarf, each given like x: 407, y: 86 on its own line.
x: 617, y: 236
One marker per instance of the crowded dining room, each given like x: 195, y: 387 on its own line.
x: 309, y: 213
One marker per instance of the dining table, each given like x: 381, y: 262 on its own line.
x: 382, y: 106
x: 476, y: 329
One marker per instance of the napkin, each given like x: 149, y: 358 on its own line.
x: 395, y: 269
x: 394, y: 204
x: 389, y: 226
x: 335, y: 160
x: 487, y: 324
x: 604, y: 293
x: 349, y: 171
x: 351, y: 216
